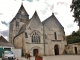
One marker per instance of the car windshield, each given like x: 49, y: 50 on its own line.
x: 8, y: 52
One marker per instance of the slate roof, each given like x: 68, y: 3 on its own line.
x: 54, y: 18
x: 22, y: 7
x: 22, y: 29
x: 2, y: 39
x: 4, y: 42
x: 35, y: 15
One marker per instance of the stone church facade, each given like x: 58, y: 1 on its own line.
x: 34, y: 36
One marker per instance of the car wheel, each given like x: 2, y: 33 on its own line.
x: 3, y: 59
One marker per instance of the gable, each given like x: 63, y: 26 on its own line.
x: 35, y: 21
x: 53, y: 22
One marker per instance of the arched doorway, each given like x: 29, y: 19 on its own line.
x: 75, y: 48
x: 35, y: 51
x: 56, y: 50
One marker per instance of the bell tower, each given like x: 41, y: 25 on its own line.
x: 17, y: 22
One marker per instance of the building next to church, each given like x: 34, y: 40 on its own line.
x: 34, y: 36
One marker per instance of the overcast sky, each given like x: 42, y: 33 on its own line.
x: 61, y: 9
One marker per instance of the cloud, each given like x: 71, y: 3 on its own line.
x: 23, y: 0
x: 1, y: 14
x: 47, y: 3
x: 44, y: 10
x: 37, y: 0
x: 70, y: 25
x: 4, y: 33
x: 30, y: 0
x: 56, y: 13
x: 3, y: 22
x: 62, y: 3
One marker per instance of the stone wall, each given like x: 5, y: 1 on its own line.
x: 73, y: 48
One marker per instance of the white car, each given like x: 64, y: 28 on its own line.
x: 8, y: 55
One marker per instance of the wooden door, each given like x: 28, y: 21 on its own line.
x: 56, y: 50
x: 35, y: 51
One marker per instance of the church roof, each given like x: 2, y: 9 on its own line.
x: 35, y: 15
x: 35, y: 18
x: 22, y: 29
x: 19, y: 11
x: 2, y: 39
x: 22, y: 7
x: 54, y: 19
x: 4, y: 42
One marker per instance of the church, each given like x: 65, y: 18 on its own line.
x: 36, y: 37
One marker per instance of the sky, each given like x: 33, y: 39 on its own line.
x: 44, y: 8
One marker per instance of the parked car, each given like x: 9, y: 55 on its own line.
x: 8, y: 55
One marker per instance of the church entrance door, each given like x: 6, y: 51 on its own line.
x: 75, y: 48
x: 56, y: 50
x: 35, y: 51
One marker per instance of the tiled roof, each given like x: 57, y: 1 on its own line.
x: 54, y: 19
x: 2, y: 39
x: 4, y: 42
x: 21, y: 8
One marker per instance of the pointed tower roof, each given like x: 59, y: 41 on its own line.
x: 22, y: 8
x: 20, y: 11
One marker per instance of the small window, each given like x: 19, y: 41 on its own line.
x: 26, y: 35
x: 55, y: 36
x: 17, y: 23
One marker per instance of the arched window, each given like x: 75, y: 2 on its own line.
x: 35, y: 38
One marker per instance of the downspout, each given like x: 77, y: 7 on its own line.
x: 22, y: 46
x: 43, y: 40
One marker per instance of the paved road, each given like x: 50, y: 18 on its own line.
x: 62, y: 57
x: 58, y: 57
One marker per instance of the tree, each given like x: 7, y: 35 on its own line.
x: 74, y: 37
x: 75, y: 7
